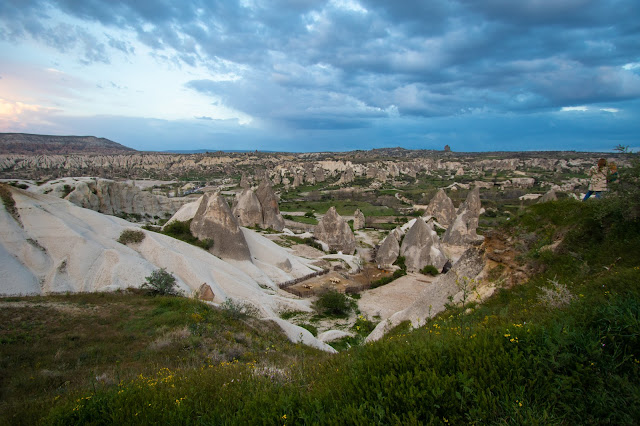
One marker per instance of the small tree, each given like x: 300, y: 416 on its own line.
x: 161, y: 282
x: 333, y: 303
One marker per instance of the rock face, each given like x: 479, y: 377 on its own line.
x: 244, y: 182
x: 421, y: 247
x: 247, y: 209
x: 334, y: 230
x: 548, y: 196
x: 358, y: 220
x: 271, y: 217
x: 388, y: 251
x: 205, y: 293
x: 441, y: 207
x: 463, y: 229
x: 214, y: 221
x: 115, y: 198
x: 348, y: 176
x: 23, y: 143
x: 442, y: 291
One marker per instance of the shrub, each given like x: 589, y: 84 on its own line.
x: 182, y: 231
x: 131, y: 236
x: 400, y: 262
x: 67, y: 189
x: 238, y: 310
x: 332, y: 303
x: 161, y: 283
x: 429, y: 270
x: 556, y: 296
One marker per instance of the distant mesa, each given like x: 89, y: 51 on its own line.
x: 24, y: 143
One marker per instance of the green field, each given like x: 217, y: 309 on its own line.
x: 344, y: 208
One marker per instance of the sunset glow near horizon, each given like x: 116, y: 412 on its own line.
x: 305, y: 75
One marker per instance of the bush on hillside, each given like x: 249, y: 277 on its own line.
x: 332, y: 303
x: 131, y: 236
x: 182, y: 231
x: 161, y: 283
x: 429, y: 270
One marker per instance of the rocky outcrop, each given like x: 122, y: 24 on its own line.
x: 205, y: 293
x: 271, y: 217
x: 441, y: 208
x: 244, y: 182
x: 522, y: 182
x: 111, y: 197
x: 463, y: 229
x: 319, y: 174
x: 334, y: 230
x: 460, y: 282
x: 348, y: 176
x: 59, y: 248
x: 214, y: 221
x: 548, y: 196
x: 421, y: 247
x: 247, y: 209
x: 388, y: 251
x: 358, y: 220
x: 23, y: 143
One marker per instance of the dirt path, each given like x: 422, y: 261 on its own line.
x: 387, y: 300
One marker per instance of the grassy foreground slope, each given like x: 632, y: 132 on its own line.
x: 563, y: 348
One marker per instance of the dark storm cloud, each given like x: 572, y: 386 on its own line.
x: 347, y: 64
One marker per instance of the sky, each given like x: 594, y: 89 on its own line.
x: 337, y: 75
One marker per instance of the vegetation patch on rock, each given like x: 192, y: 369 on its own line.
x: 131, y: 236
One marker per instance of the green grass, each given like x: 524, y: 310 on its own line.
x: 344, y: 208
x: 54, y: 348
x: 182, y: 231
x: 303, y: 219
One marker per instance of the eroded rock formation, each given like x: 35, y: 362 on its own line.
x: 334, y: 230
x: 441, y: 207
x: 463, y: 229
x: 388, y: 251
x: 421, y: 247
x: 247, y: 209
x: 271, y: 217
x: 214, y: 221
x: 358, y: 220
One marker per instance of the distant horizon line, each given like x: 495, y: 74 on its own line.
x: 240, y: 151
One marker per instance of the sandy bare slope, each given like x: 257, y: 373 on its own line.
x: 59, y: 247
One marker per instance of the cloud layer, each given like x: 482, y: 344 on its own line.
x: 344, y: 69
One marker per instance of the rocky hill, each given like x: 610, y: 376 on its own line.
x: 24, y: 143
x: 49, y: 245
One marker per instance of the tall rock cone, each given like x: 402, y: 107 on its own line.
x: 335, y: 231
x: 247, y: 209
x: 271, y: 217
x: 441, y: 207
x: 358, y: 220
x: 213, y: 220
x: 463, y: 229
x: 244, y: 182
x: 421, y: 247
x: 388, y: 251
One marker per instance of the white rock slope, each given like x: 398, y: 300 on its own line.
x: 59, y: 247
